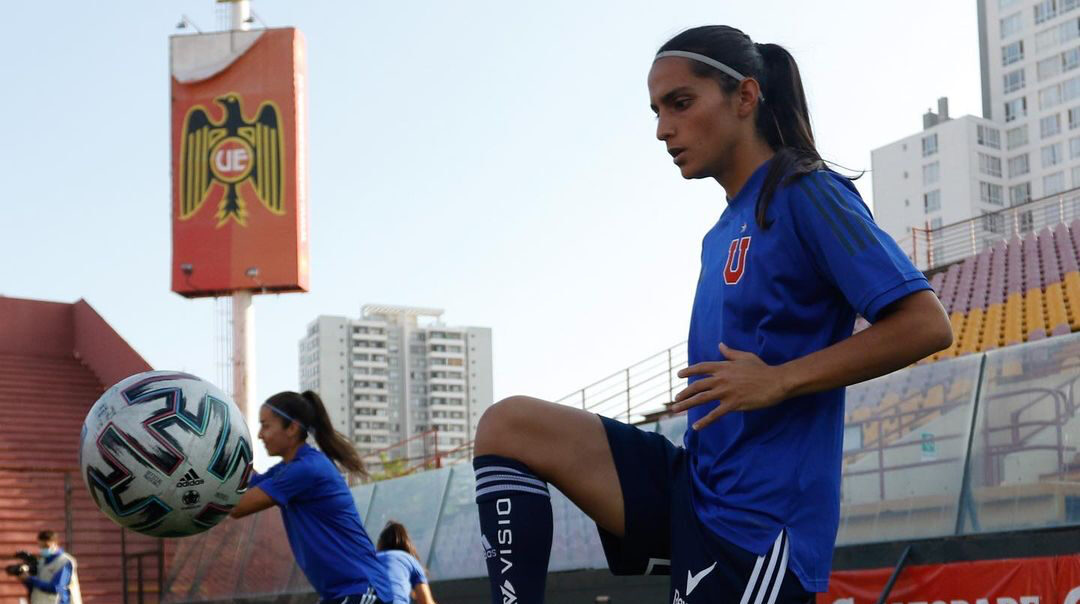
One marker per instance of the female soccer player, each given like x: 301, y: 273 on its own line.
x: 319, y: 513
x: 748, y: 510
x: 397, y: 552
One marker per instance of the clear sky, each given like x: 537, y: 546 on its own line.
x: 494, y: 159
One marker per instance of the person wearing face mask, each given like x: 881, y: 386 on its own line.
x: 57, y: 581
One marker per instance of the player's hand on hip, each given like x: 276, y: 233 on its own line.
x: 741, y: 383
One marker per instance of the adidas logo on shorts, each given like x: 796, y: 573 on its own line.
x: 191, y: 479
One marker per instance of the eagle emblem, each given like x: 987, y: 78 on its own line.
x: 244, y: 159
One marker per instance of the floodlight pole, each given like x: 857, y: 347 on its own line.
x: 243, y: 313
x: 243, y: 341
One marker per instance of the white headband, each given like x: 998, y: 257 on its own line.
x: 711, y: 62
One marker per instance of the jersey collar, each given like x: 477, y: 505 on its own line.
x: 750, y: 189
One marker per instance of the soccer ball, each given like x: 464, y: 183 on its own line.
x: 165, y: 454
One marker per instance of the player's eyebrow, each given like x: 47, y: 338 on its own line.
x: 670, y: 97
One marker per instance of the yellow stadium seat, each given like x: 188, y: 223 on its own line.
x: 969, y: 341
x: 935, y: 397
x: 991, y: 336
x: 1014, y: 320
x: 1056, y: 314
x: 1034, y: 316
x: 1072, y: 297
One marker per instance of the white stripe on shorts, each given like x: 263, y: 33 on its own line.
x: 778, y: 552
x: 780, y: 576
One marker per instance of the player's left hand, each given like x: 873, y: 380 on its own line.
x: 741, y: 383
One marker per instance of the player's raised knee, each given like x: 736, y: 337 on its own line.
x: 499, y: 423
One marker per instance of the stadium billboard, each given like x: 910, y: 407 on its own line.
x: 1042, y: 580
x: 239, y: 162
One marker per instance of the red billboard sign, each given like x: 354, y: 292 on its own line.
x: 239, y: 165
x: 1050, y: 580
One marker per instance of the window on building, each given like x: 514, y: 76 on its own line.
x: 929, y: 145
x: 1015, y: 109
x: 1017, y: 137
x: 1014, y: 80
x: 1019, y: 165
x: 935, y: 223
x: 991, y: 193
x: 1012, y: 53
x: 1046, y: 39
x: 1045, y: 10
x: 1019, y: 194
x: 988, y: 137
x: 1011, y: 25
x: 993, y: 222
x: 931, y: 173
x: 1074, y: 118
x: 1052, y: 155
x: 1049, y: 97
x: 1048, y: 68
x: 1070, y: 89
x: 1076, y: 176
x: 932, y: 201
x: 1074, y: 147
x: 1053, y: 183
x: 1050, y: 125
x: 989, y: 164
x: 1070, y: 59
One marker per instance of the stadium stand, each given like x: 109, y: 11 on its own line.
x: 54, y: 362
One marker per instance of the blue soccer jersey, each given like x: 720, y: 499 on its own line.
x: 324, y: 530
x: 404, y: 572
x: 782, y: 293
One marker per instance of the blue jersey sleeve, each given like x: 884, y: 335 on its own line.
x: 847, y: 247
x: 285, y: 481
x: 416, y: 572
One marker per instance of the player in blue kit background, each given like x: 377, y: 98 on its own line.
x: 407, y: 576
x: 747, y: 510
x: 317, y: 508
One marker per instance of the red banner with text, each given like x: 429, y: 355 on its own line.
x: 1051, y: 580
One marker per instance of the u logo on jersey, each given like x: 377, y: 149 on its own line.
x: 736, y: 260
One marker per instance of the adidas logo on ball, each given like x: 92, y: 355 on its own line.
x: 191, y: 479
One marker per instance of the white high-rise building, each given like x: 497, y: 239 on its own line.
x: 1026, y: 145
x: 1030, y: 52
x: 397, y: 372
x: 951, y: 171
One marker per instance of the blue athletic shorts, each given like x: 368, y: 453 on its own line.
x: 665, y: 537
x: 367, y: 598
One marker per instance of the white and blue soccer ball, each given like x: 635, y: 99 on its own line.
x: 165, y: 454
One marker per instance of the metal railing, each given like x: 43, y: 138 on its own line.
x: 639, y: 390
x: 634, y: 394
x: 933, y: 248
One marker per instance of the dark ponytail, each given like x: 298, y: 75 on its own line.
x: 783, y: 119
x: 308, y: 410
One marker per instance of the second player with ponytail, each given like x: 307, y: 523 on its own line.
x: 317, y: 508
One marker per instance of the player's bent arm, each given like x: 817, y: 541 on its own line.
x: 422, y: 594
x: 908, y: 330
x: 254, y: 500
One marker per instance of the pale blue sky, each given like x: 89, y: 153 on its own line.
x: 495, y: 159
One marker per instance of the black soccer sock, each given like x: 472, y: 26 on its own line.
x: 515, y: 528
